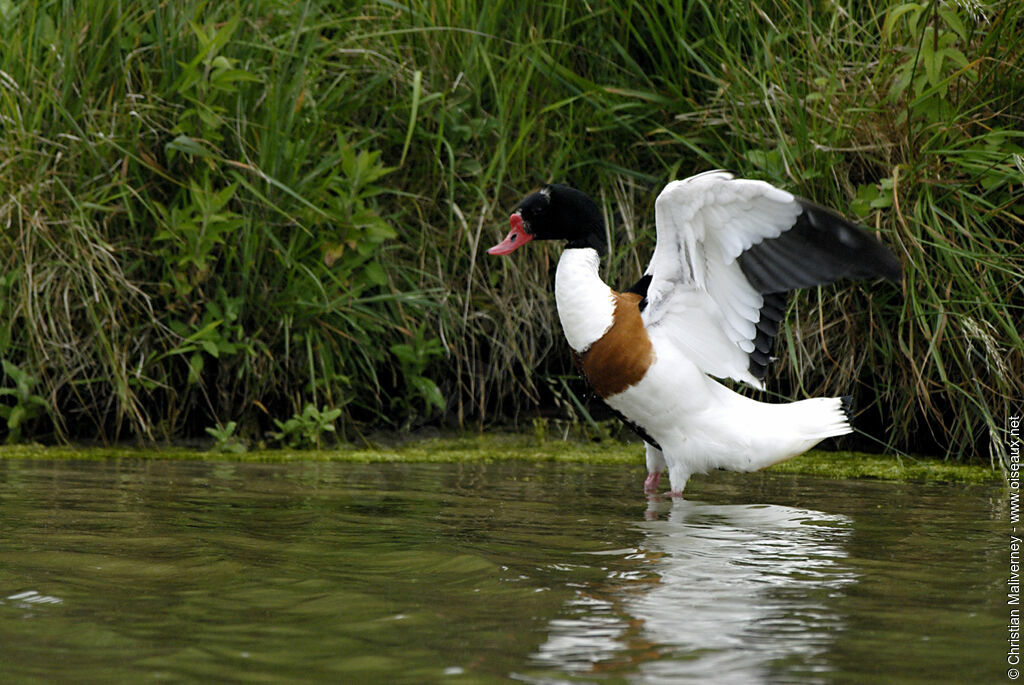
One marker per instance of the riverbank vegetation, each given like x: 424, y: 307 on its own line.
x: 496, y: 447
x: 265, y: 220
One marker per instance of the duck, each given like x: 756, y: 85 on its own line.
x: 664, y: 352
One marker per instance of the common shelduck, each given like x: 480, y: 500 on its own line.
x: 708, y: 307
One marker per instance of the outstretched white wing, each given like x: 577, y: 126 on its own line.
x: 728, y: 251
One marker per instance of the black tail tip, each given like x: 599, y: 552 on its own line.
x: 846, y: 401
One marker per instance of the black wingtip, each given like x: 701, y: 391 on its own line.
x: 820, y: 247
x: 892, y: 269
x: 860, y: 252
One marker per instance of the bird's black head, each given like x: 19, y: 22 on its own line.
x: 555, y: 212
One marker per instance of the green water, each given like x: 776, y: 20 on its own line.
x: 169, y: 571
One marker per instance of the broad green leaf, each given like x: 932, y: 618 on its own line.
x: 189, y: 146
x: 896, y: 13
x: 375, y: 273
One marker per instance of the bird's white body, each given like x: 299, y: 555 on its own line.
x: 699, y: 423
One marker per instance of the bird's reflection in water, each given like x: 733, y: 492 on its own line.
x: 718, y: 593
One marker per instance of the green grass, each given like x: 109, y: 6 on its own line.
x: 214, y: 216
x: 501, y: 447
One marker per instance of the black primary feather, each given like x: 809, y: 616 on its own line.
x: 820, y: 248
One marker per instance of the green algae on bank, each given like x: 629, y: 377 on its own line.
x: 449, y: 449
x: 884, y: 467
x: 499, y: 447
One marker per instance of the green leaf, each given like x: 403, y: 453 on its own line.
x: 222, y: 197
x: 417, y: 90
x: 210, y: 348
x: 210, y: 117
x: 195, y: 368
x: 189, y: 146
x: 375, y: 274
x: 428, y: 390
x: 929, y: 58
x: 405, y: 353
x: 896, y: 13
x: 952, y: 19
x: 225, y: 79
x: 958, y: 58
x: 17, y: 415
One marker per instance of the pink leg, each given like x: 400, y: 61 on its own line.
x: 651, y: 484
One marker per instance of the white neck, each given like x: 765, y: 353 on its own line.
x: 585, y: 304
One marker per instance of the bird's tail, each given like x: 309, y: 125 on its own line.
x: 823, y: 417
x: 780, y: 431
